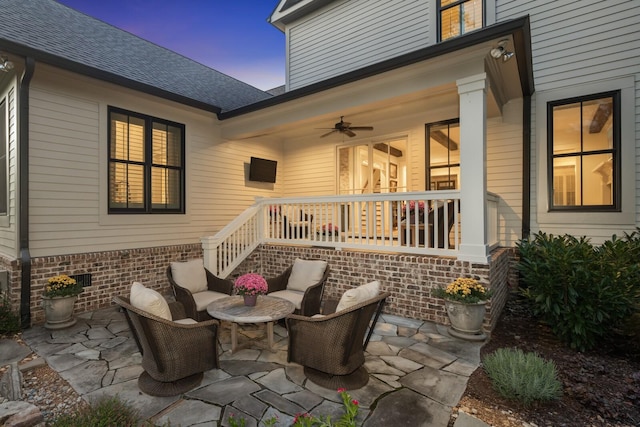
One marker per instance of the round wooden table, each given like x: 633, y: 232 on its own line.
x: 267, y: 310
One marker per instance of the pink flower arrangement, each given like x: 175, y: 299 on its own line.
x: 330, y: 228
x: 412, y: 205
x: 250, y: 284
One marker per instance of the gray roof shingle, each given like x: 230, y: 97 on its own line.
x: 44, y: 28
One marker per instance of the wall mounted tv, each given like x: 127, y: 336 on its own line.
x: 262, y: 170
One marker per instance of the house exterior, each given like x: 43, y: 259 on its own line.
x: 525, y: 114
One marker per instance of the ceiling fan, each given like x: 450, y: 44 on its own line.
x: 345, y: 128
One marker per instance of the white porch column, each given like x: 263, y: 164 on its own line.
x: 473, y: 172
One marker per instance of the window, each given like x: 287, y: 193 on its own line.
x: 443, y: 155
x: 584, y: 146
x: 4, y: 131
x: 457, y: 17
x: 146, y: 164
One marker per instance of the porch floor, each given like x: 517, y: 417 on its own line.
x: 418, y: 372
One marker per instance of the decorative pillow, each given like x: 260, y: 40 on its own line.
x: 358, y: 295
x: 305, y: 273
x: 190, y: 275
x: 149, y: 300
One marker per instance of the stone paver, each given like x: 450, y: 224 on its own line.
x: 418, y: 372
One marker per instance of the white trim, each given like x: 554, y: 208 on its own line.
x: 626, y: 217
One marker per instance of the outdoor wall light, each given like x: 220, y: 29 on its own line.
x: 5, y: 64
x: 501, y: 52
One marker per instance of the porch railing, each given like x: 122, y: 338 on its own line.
x: 420, y: 223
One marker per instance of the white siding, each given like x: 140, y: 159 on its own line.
x: 575, y: 43
x: 8, y: 223
x: 504, y: 169
x: 68, y: 170
x: 349, y: 35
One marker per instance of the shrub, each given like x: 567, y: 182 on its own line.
x: 106, y: 412
x: 525, y: 377
x: 582, y: 292
x: 9, y: 321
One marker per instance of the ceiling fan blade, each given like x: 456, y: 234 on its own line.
x: 361, y: 128
x: 348, y: 132
x: 328, y: 133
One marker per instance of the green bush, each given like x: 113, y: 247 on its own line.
x: 581, y: 291
x: 9, y: 321
x: 525, y: 377
x: 106, y: 412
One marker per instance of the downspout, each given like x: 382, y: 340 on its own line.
x: 23, y: 184
x: 526, y: 166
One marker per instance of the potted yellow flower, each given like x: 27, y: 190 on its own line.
x: 58, y: 300
x: 465, y: 301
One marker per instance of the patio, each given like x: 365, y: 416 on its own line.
x: 417, y: 374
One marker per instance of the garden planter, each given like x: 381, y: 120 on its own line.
x: 250, y: 300
x: 466, y: 319
x: 58, y: 311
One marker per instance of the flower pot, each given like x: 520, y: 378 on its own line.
x: 58, y: 311
x: 466, y: 319
x: 250, y: 300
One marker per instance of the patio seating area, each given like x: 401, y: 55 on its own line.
x: 417, y: 373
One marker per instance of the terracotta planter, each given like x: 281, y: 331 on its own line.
x: 466, y: 319
x: 58, y: 311
x: 250, y: 300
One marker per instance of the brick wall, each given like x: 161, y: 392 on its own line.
x: 409, y: 278
x: 112, y: 273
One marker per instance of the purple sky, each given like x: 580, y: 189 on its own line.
x: 233, y: 37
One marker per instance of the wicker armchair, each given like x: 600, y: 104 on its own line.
x: 331, y: 348
x: 196, y: 307
x: 174, y: 355
x: 309, y: 301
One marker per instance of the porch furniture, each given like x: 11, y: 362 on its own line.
x: 298, y: 228
x: 267, y: 310
x: 430, y: 220
x: 175, y: 352
x: 196, y: 287
x: 331, y: 348
x: 302, y: 284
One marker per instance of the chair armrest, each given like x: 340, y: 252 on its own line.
x: 185, y: 297
x: 279, y: 283
x: 214, y: 283
x: 329, y: 306
x: 177, y: 310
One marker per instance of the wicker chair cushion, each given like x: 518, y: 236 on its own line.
x: 186, y: 321
x: 190, y: 275
x: 203, y: 299
x: 294, y: 296
x: 358, y: 295
x: 149, y: 300
x: 305, y: 273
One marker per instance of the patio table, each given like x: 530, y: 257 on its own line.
x: 267, y: 310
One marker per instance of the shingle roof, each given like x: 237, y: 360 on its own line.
x: 54, y: 33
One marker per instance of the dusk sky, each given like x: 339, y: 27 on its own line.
x: 233, y: 37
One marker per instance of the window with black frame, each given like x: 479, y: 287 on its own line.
x: 443, y: 155
x: 583, y: 153
x: 146, y: 164
x: 458, y: 17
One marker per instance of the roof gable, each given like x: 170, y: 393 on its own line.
x: 56, y: 34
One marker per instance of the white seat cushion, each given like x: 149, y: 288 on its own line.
x: 148, y: 300
x: 203, y: 299
x: 293, y: 296
x: 360, y: 294
x: 186, y: 321
x: 305, y: 273
x: 190, y: 275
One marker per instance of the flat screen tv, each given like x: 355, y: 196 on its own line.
x: 262, y: 170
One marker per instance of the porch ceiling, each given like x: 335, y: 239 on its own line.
x: 386, y: 100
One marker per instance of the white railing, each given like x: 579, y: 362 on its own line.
x: 420, y: 223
